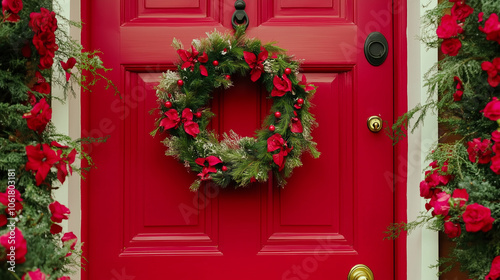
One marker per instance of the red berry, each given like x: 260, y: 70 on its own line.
x: 215, y: 63
x: 180, y: 83
x: 277, y: 115
x: 224, y: 168
x: 228, y: 77
x: 288, y: 71
x: 197, y: 114
x: 272, y: 128
x: 300, y: 101
x: 168, y: 104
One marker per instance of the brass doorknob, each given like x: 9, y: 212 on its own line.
x: 360, y: 272
x: 374, y: 124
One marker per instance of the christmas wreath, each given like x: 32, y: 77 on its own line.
x: 211, y: 63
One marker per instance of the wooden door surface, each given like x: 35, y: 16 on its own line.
x: 140, y: 219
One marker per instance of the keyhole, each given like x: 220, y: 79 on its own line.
x: 376, y: 125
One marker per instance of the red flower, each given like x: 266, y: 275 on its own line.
x: 64, y: 278
x: 39, y: 116
x: 449, y: 27
x: 44, y: 24
x: 45, y: 43
x: 427, y: 190
x: 495, y: 136
x: 15, y: 197
x: 55, y: 228
x: 65, y: 163
x: 492, y: 28
x: 274, y: 143
x: 43, y: 21
x: 461, y: 11
x: 59, y: 212
x: 305, y: 85
x: 495, y: 164
x: 457, y: 96
x: 10, y: 8
x: 40, y: 161
x: 296, y: 125
x: 492, y: 68
x: 191, y: 58
x: 492, y: 109
x: 4, y: 197
x: 451, y: 46
x: 281, y: 86
x: 46, y: 62
x: 255, y: 63
x: 461, y: 196
x: 480, y: 18
x: 452, y: 229
x: 19, y: 245
x: 208, y: 164
x: 173, y: 121
x: 441, y: 204
x: 433, y: 179
x: 495, y: 270
x: 67, y: 66
x: 34, y: 275
x: 41, y: 85
x: 477, y: 217
x: 479, y: 150
x: 69, y: 237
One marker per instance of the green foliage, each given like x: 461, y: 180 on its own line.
x: 45, y: 251
x: 463, y: 119
x: 245, y: 158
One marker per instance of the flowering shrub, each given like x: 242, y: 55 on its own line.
x: 34, y: 158
x: 462, y: 183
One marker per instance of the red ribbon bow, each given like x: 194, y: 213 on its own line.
x: 274, y: 143
x: 191, y: 58
x: 173, y: 121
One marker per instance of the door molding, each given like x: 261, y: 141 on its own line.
x: 401, y: 149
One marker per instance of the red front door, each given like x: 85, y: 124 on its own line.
x: 140, y: 219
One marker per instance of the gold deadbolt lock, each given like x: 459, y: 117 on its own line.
x: 360, y: 272
x: 374, y: 124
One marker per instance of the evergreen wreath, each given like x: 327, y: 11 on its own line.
x: 183, y: 97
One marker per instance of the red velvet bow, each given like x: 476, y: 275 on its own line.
x: 274, y: 143
x: 190, y: 58
x: 255, y: 63
x: 173, y: 121
x: 211, y: 161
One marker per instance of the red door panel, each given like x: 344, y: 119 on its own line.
x: 143, y: 221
